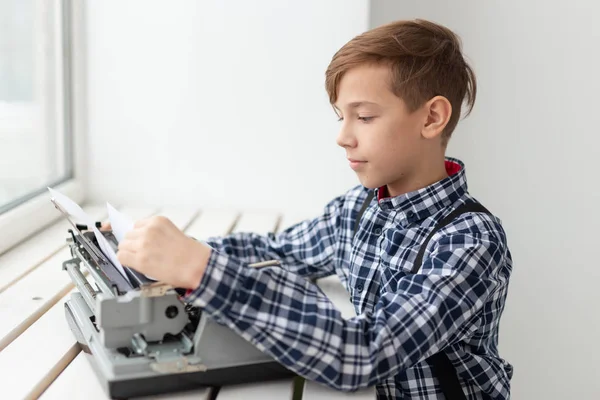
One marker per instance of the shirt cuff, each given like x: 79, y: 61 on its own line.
x: 221, y: 284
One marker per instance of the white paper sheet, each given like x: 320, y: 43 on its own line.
x: 119, y: 222
x: 73, y: 209
x: 109, y: 252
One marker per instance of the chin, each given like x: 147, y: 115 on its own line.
x: 370, y: 183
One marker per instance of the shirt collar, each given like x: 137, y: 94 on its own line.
x: 422, y: 203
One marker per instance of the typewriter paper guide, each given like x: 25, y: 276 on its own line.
x: 116, y: 218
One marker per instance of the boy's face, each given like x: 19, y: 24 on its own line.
x: 385, y: 143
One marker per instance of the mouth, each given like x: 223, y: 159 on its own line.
x: 356, y: 164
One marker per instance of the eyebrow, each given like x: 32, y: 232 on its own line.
x: 356, y: 104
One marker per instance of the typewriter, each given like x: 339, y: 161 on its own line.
x: 140, y: 336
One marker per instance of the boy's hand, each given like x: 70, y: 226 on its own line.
x: 157, y: 248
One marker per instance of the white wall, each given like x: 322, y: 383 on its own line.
x: 531, y: 149
x: 216, y: 103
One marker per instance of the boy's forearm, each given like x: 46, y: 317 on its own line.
x: 247, y: 247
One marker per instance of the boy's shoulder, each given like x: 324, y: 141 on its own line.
x: 474, y: 228
x: 479, y: 221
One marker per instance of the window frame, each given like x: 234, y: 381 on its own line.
x: 37, y: 212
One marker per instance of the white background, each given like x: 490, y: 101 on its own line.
x: 222, y: 103
x: 217, y: 103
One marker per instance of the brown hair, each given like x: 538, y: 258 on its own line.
x: 425, y: 61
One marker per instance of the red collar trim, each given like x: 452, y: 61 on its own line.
x: 451, y: 169
x: 382, y: 193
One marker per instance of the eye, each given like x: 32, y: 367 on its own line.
x: 366, y: 119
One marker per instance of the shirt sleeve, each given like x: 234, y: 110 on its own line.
x: 290, y: 319
x: 305, y: 249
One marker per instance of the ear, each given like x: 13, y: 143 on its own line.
x: 438, y: 111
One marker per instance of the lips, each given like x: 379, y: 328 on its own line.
x: 356, y: 164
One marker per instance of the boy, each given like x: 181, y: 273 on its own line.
x: 429, y: 289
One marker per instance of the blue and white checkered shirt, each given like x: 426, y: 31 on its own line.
x: 453, y: 303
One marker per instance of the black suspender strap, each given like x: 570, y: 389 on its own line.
x: 462, y: 209
x: 444, y: 370
x: 440, y: 363
x: 362, y: 209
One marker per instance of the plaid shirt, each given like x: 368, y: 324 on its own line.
x: 453, y: 303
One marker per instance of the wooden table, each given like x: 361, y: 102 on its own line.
x: 39, y: 357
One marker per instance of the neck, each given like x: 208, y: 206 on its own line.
x: 426, y: 175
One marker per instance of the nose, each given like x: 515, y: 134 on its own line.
x: 346, y: 137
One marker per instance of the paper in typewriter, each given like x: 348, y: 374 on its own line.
x: 119, y: 222
x: 73, y: 209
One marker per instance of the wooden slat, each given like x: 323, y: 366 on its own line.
x: 21, y: 260
x: 212, y: 223
x: 257, y: 222
x: 78, y: 380
x: 37, y: 354
x: 28, y: 299
x: 289, y: 219
x: 181, y: 217
x: 33, y: 308
x: 136, y: 213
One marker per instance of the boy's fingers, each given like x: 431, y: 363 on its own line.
x: 126, y: 257
x: 133, y: 234
x: 129, y: 245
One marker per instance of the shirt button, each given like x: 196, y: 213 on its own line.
x: 242, y: 296
x: 359, y: 288
x: 378, y: 231
x: 410, y: 214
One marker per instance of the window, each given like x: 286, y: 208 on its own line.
x: 38, y: 61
